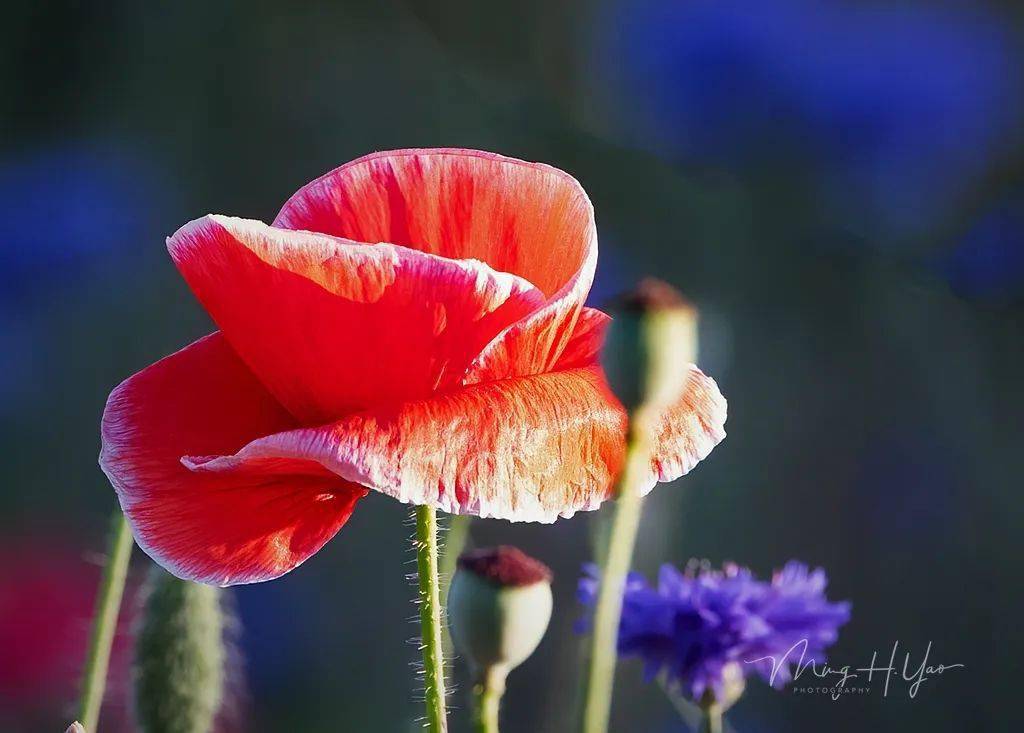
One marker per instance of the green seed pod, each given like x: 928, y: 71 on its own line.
x: 499, y: 606
x: 180, y: 656
x: 649, y: 344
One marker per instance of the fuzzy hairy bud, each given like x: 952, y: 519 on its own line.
x: 179, y: 664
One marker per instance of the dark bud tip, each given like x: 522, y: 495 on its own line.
x: 648, y: 346
x: 505, y: 566
x: 649, y: 295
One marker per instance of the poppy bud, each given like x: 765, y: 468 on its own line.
x: 499, y: 606
x: 75, y: 727
x: 649, y: 343
x: 179, y: 656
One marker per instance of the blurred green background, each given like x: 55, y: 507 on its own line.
x: 839, y: 186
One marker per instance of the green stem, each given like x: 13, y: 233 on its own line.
x: 689, y: 712
x: 108, y: 604
x: 712, y: 722
x: 626, y: 520
x: 430, y: 618
x: 454, y: 543
x: 487, y: 700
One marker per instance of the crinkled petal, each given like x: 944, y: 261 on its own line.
x: 524, y: 218
x: 225, y: 528
x: 331, y: 326
x: 584, y: 347
x: 689, y: 431
x: 526, y: 449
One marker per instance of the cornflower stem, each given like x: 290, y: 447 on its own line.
x: 712, y: 722
x: 689, y: 712
x: 430, y: 618
x: 616, y: 563
x: 487, y: 694
x: 104, y: 625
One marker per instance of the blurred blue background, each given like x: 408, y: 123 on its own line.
x: 838, y: 185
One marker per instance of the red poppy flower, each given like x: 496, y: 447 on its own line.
x: 412, y: 323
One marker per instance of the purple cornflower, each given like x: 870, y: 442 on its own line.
x: 703, y: 628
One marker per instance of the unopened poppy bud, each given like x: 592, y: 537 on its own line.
x: 75, y: 727
x: 499, y: 606
x: 649, y: 343
x: 179, y: 656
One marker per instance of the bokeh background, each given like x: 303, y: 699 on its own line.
x: 838, y: 185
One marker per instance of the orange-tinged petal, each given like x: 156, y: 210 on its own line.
x: 584, y: 347
x: 330, y: 326
x: 227, y: 528
x: 527, y: 449
x: 528, y: 219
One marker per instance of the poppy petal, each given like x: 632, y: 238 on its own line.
x: 528, y: 219
x: 227, y: 528
x: 527, y: 449
x: 584, y: 347
x: 331, y: 326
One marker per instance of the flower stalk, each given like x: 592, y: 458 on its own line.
x: 487, y: 695
x: 430, y: 618
x: 649, y: 343
x: 712, y: 722
x: 108, y: 606
x: 616, y: 562
x: 454, y: 543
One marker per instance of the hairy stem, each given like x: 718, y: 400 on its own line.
x: 430, y: 618
x: 108, y: 605
x: 616, y: 561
